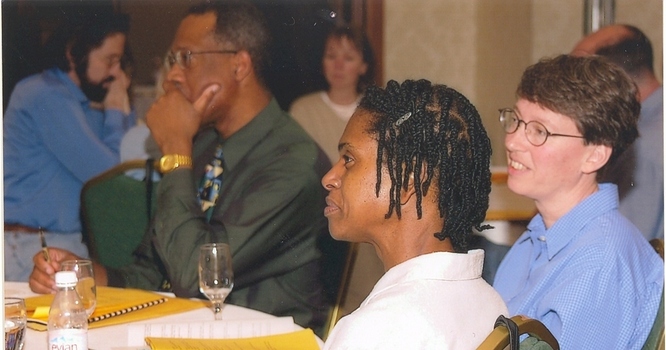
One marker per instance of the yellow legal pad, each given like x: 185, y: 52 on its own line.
x: 300, y: 340
x: 115, y: 306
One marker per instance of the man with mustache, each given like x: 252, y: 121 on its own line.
x: 219, y: 124
x: 62, y: 127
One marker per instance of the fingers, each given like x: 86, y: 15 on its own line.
x: 168, y: 86
x: 126, y: 79
x: 203, y: 101
x: 42, y: 275
x: 41, y: 279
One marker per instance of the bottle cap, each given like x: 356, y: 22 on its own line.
x: 65, y: 279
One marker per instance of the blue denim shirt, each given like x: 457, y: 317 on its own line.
x: 591, y: 278
x: 53, y: 143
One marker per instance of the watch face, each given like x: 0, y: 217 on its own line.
x: 167, y: 163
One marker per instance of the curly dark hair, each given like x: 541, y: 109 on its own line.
x: 595, y: 93
x: 81, y: 32
x: 436, y: 134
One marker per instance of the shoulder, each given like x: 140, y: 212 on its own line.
x: 306, y: 102
x: 307, y: 99
x: 286, y: 152
x: 39, y: 96
x: 372, y: 328
x: 609, y: 245
x: 40, y: 88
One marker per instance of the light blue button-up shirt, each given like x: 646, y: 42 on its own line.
x: 53, y: 143
x: 591, y: 278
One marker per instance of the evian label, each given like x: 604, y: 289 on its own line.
x: 68, y: 339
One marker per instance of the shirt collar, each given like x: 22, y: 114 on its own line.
x: 565, y: 228
x: 243, y: 140
x: 445, y: 266
x: 64, y: 78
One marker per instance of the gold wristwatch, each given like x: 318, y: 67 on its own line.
x: 171, y: 162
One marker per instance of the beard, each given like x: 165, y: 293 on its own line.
x: 94, y: 92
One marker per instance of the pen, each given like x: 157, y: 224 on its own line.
x: 45, y: 248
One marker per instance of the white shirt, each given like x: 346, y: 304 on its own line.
x: 343, y: 112
x: 433, y: 301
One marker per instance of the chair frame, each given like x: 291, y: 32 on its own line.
x: 334, y: 314
x: 498, y: 339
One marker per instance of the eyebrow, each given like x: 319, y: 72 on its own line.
x: 342, y: 145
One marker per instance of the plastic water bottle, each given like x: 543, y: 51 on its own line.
x: 68, y: 321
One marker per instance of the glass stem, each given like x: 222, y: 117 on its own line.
x: 217, y: 310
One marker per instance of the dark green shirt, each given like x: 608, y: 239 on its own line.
x: 270, y: 211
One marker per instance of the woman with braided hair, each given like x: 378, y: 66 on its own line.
x: 413, y: 179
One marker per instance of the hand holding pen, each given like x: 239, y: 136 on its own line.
x: 46, y: 263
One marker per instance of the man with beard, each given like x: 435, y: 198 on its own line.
x: 61, y: 128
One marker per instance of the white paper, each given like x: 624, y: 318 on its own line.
x: 210, y: 329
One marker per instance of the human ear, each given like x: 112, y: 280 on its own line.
x: 407, y: 193
x: 243, y: 65
x: 598, y: 157
x: 364, y: 69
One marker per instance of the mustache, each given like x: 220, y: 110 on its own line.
x: 108, y: 80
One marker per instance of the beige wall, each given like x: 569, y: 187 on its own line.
x: 481, y: 47
x: 431, y: 39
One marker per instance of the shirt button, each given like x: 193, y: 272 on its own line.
x: 542, y: 238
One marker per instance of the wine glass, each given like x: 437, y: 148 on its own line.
x: 85, y: 287
x: 15, y: 320
x: 216, y: 278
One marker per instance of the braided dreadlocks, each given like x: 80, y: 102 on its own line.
x: 436, y: 134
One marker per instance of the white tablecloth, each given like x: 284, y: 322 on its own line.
x: 115, y: 337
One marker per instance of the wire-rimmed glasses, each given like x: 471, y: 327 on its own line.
x: 536, y: 133
x: 184, y: 57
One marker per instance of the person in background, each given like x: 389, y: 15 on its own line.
x: 138, y: 143
x: 639, y: 172
x: 581, y: 268
x: 217, y: 109
x: 413, y: 179
x: 61, y: 128
x: 348, y: 66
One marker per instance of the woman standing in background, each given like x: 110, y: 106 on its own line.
x: 348, y: 66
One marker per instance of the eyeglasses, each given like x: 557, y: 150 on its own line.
x: 113, y: 60
x: 184, y: 58
x: 536, y: 133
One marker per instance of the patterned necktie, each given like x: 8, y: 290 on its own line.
x: 209, y: 189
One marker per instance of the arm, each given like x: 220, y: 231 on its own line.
x: 43, y: 273
x: 271, y: 222
x: 587, y: 310
x: 86, y: 143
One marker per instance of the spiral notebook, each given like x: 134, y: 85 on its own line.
x: 126, y: 310
x: 115, y: 306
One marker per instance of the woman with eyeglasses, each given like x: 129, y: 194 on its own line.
x: 581, y: 267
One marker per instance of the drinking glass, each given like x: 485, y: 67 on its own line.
x: 216, y: 278
x: 85, y: 287
x: 15, y: 320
